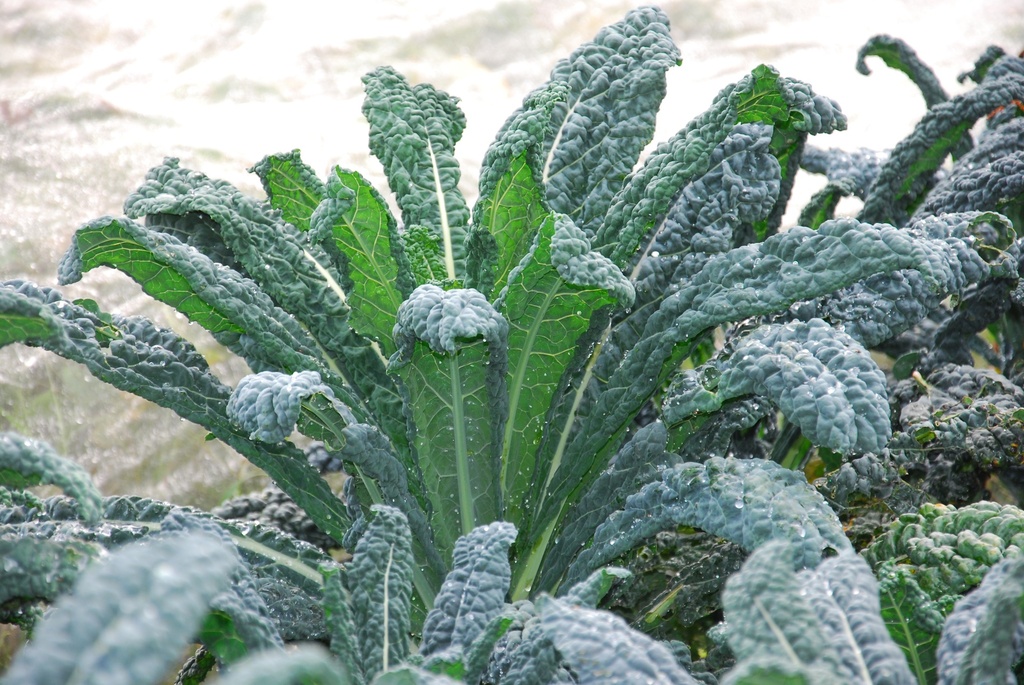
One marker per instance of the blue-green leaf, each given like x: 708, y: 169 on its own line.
x: 308, y: 663
x: 379, y: 581
x: 25, y: 463
x: 820, y: 378
x: 824, y: 621
x: 983, y: 637
x: 601, y: 648
x: 616, y: 83
x: 474, y: 592
x: 130, y: 616
x: 746, y: 501
x: 292, y: 187
x: 356, y: 219
x: 413, y: 132
x: 549, y: 301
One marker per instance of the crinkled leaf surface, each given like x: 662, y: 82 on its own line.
x: 292, y: 187
x: 158, y: 365
x: 825, y: 619
x: 225, y: 303
x: 747, y: 281
x: 129, y: 616
x: 820, y: 378
x: 356, y: 218
x: 299, y: 276
x: 601, y: 647
x: 746, y: 501
x: 983, y: 638
x: 474, y: 592
x: 511, y: 205
x: 907, y: 173
x: 40, y: 569
x: 379, y: 582
x: 898, y: 55
x: 616, y: 83
x: 635, y: 465
x: 413, y: 132
x: 267, y: 405
x: 25, y: 462
x: 293, y: 272
x: 763, y: 96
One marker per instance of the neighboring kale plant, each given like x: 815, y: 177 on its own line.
x: 598, y: 352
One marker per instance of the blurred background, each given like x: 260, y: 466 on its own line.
x: 95, y: 92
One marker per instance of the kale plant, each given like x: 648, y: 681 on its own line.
x: 521, y: 393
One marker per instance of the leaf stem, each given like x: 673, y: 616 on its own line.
x: 466, y: 513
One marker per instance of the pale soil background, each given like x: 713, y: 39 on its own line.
x: 93, y: 93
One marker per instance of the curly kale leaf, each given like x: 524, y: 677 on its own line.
x: 299, y: 276
x: 130, y: 615
x: 285, y: 571
x: 949, y: 549
x: 747, y: 281
x: 272, y: 507
x: 25, y: 463
x: 292, y: 187
x: 368, y: 605
x: 413, y: 132
x: 989, y: 178
x: 511, y: 206
x: 275, y: 254
x: 615, y: 85
x: 239, y: 622
x: 635, y: 465
x: 820, y: 378
x: 134, y: 355
x: 762, y: 97
x: 746, y: 501
x: 369, y: 456
x: 474, y: 592
x: 898, y: 55
x: 966, y: 249
x: 739, y: 187
x: 39, y: 569
x: 984, y: 637
x: 822, y: 205
x: 858, y: 168
x: 266, y: 405
x: 908, y: 173
x: 981, y: 66
x: 354, y: 221
x: 198, y: 231
x: 957, y: 429
x: 825, y: 622
x: 927, y: 560
x: 601, y: 647
x: 228, y: 305
x: 549, y: 303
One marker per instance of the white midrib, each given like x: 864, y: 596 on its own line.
x: 446, y: 232
x: 387, y: 586
x: 519, y: 379
x: 546, y: 175
x: 779, y: 635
